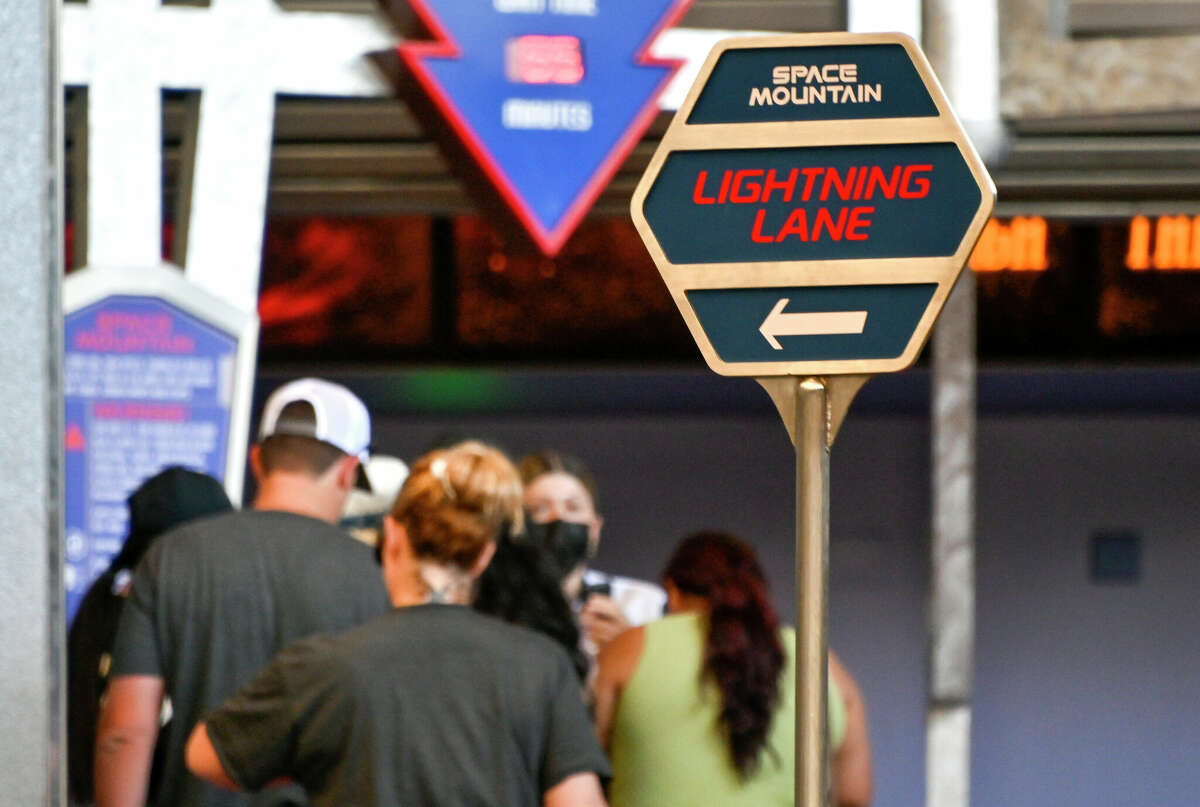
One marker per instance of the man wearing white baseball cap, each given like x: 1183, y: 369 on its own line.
x: 213, y: 601
x: 337, y: 415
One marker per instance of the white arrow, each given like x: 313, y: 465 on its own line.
x: 811, y: 323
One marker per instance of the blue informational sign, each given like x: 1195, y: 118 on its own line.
x: 148, y: 385
x: 805, y: 204
x: 548, y: 96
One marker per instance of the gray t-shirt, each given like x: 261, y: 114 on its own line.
x: 214, y: 600
x: 428, y: 705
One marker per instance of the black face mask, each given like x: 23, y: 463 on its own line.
x: 564, y: 542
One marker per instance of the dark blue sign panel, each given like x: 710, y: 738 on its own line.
x: 847, y: 82
x: 811, y: 323
x: 548, y: 95
x: 147, y: 385
x: 806, y: 204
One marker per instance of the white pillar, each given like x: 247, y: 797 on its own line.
x: 962, y: 43
x: 31, y: 619
x: 880, y: 16
x: 952, y: 553
x: 238, y: 54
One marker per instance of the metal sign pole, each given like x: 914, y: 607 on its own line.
x: 812, y: 418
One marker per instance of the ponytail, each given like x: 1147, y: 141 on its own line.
x: 742, y: 653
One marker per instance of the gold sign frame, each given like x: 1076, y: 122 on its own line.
x: 943, y: 271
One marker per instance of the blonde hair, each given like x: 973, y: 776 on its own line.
x: 457, y: 500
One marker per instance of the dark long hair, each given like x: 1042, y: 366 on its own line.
x: 521, y: 586
x: 743, y: 653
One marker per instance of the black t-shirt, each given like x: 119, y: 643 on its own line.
x: 214, y: 600
x: 89, y: 641
x: 427, y: 705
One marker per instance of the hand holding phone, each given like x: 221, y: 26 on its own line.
x: 602, y: 619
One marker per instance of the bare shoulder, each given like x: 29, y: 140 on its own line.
x: 615, y: 667
x: 844, y: 680
x: 619, y: 658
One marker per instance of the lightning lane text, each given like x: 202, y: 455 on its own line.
x: 780, y: 194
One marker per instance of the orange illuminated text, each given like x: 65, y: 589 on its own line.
x: 1018, y: 245
x: 1170, y: 243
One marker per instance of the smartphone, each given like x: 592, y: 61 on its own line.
x: 589, y: 589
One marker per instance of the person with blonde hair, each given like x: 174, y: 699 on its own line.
x: 433, y: 703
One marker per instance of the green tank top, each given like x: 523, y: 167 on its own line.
x: 667, y: 747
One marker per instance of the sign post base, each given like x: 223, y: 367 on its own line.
x: 813, y: 409
x: 812, y: 437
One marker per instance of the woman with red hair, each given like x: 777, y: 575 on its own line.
x: 699, y: 707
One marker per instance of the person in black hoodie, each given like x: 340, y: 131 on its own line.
x: 171, y: 497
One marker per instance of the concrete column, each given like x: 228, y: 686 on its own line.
x: 952, y: 553
x: 962, y: 43
x: 878, y: 16
x: 31, y: 617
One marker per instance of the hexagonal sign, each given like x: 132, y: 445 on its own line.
x: 812, y: 204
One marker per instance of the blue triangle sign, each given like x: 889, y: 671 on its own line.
x: 548, y: 96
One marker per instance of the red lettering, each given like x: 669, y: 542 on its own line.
x: 879, y: 180
x: 858, y: 219
x: 796, y: 224
x: 114, y: 320
x: 756, y: 234
x: 736, y: 196
x: 810, y: 176
x: 862, y: 180
x: 697, y: 193
x: 139, y: 411
x: 906, y: 183
x: 835, y: 229
x: 788, y: 186
x: 845, y: 190
x: 755, y: 185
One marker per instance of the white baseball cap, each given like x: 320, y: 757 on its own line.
x: 339, y: 417
x: 386, y: 476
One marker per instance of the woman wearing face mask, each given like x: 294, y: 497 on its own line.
x: 561, y: 501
